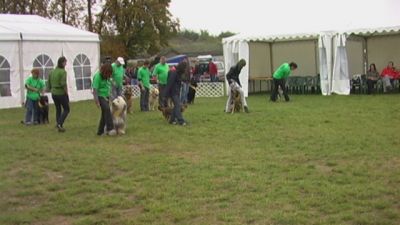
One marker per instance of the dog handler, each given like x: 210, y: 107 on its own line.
x: 118, y: 73
x: 161, y: 71
x: 279, y: 79
x: 234, y: 83
x: 101, y: 93
x: 144, y: 84
x: 34, y: 85
x: 57, y: 84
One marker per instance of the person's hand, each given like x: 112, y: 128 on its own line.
x: 97, y: 104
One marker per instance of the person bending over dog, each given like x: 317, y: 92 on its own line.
x: 172, y: 90
x: 279, y: 79
x: 34, y: 85
x: 101, y: 92
x: 234, y: 83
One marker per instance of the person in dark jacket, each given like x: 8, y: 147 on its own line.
x: 234, y: 83
x: 172, y: 90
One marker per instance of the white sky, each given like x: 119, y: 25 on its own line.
x: 286, y: 16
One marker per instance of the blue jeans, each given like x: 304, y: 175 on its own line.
x: 31, y: 111
x: 184, y: 92
x: 176, y: 115
x: 61, y: 101
x: 134, y: 81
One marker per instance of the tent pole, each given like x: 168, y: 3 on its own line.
x: 365, y: 54
x: 316, y: 56
x: 21, y: 70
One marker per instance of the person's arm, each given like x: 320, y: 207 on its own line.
x: 95, y: 87
x: 63, y: 82
x: 229, y: 75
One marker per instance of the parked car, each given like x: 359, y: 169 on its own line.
x: 221, y: 70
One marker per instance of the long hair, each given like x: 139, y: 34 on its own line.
x: 372, y: 65
x: 61, y: 61
x: 106, y: 71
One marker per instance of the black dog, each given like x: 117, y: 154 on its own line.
x: 43, y: 109
x: 192, y: 91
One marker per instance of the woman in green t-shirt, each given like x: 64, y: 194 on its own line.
x: 34, y: 85
x: 101, y: 91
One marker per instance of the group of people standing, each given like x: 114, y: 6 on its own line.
x: 57, y: 85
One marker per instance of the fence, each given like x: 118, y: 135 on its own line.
x: 204, y: 89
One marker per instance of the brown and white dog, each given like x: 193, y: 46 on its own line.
x: 128, y: 96
x: 118, y: 111
x: 153, y: 98
x: 236, y: 103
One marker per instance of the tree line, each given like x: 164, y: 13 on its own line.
x: 127, y: 27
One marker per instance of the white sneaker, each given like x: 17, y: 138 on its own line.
x: 112, y: 132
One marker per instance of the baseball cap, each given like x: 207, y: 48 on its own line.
x: 121, y: 60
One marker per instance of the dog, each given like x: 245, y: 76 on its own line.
x: 43, y: 110
x: 236, y: 103
x: 167, y: 111
x: 128, y: 97
x: 192, y: 91
x: 280, y: 94
x: 118, y: 111
x: 153, y: 98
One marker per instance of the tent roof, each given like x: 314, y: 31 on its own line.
x: 32, y: 27
x: 305, y: 32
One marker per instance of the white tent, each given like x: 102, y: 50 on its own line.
x: 335, y: 54
x: 29, y: 41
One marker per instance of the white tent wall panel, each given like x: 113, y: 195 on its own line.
x: 355, y: 57
x: 382, y: 49
x: 301, y: 52
x: 259, y: 59
x: 71, y: 51
x: 9, y: 50
x: 244, y: 73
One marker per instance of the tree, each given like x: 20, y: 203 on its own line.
x: 68, y: 12
x: 89, y: 19
x: 24, y: 7
x: 143, y: 26
x: 225, y: 34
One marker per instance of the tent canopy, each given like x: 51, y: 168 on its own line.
x: 36, y: 28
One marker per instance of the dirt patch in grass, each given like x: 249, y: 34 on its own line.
x: 57, y: 220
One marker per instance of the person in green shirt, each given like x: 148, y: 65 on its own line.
x: 34, y: 86
x: 279, y: 79
x: 144, y: 84
x: 118, y: 73
x: 101, y: 92
x: 161, y: 72
x: 57, y: 84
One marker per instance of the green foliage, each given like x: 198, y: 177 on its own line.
x: 315, y: 160
x: 24, y: 7
x: 143, y: 25
x: 225, y: 34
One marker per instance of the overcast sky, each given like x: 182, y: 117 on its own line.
x: 293, y: 16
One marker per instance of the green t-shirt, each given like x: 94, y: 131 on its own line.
x: 34, y: 83
x: 118, y: 74
x: 57, y: 81
x: 144, y: 76
x: 161, y: 71
x: 102, y: 86
x: 282, y: 72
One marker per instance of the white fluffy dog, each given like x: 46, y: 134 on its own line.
x: 118, y: 111
x: 153, y: 98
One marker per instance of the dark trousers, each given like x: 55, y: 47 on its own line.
x: 370, y: 85
x: 144, y: 99
x: 106, y: 117
x: 61, y: 114
x: 176, y: 112
x: 282, y: 84
x: 162, y: 101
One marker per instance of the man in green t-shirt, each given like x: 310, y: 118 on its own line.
x: 279, y: 79
x: 117, y: 77
x: 34, y: 86
x: 161, y: 72
x: 144, y: 84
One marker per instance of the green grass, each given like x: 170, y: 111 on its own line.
x: 315, y: 160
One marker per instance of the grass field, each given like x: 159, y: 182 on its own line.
x: 315, y: 160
